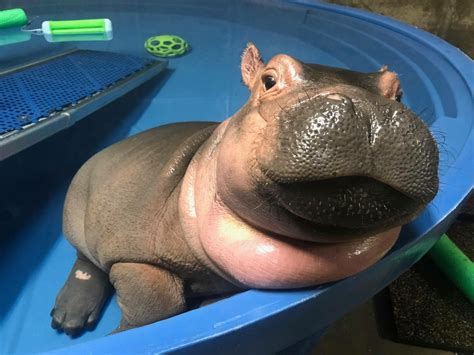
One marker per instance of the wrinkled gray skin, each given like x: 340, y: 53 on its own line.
x: 309, y: 182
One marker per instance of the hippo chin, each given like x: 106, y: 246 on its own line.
x: 309, y: 182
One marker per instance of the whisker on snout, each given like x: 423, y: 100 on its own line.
x: 283, y: 108
x: 307, y: 95
x: 435, y: 206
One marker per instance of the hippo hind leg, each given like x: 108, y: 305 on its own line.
x: 146, y: 294
x: 80, y: 301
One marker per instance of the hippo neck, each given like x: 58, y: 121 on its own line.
x: 249, y: 257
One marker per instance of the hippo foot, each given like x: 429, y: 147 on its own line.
x: 80, y: 301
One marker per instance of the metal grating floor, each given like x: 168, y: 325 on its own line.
x: 41, y: 91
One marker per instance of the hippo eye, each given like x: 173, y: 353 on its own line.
x: 268, y: 81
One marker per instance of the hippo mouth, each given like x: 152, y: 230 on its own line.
x: 351, y: 205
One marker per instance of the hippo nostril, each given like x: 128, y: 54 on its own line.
x: 335, y: 97
x: 341, y: 101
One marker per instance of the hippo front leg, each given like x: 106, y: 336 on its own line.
x: 80, y: 301
x: 146, y: 294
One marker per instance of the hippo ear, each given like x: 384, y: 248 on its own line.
x: 389, y: 84
x: 251, y: 64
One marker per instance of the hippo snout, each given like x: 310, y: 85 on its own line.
x: 349, y: 160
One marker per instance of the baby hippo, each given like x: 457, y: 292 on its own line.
x: 309, y: 182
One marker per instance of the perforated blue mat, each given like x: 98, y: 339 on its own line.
x: 40, y: 91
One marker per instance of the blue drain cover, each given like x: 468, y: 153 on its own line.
x: 59, y: 89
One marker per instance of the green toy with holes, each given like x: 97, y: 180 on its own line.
x: 166, y: 46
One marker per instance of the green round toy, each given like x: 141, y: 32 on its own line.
x: 166, y: 45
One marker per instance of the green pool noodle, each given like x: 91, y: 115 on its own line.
x: 455, y: 265
x: 13, y: 18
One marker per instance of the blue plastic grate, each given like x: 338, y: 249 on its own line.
x: 40, y: 90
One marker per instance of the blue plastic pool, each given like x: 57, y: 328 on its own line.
x: 438, y: 82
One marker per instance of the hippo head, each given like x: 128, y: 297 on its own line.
x: 331, y: 153
x: 313, y: 178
